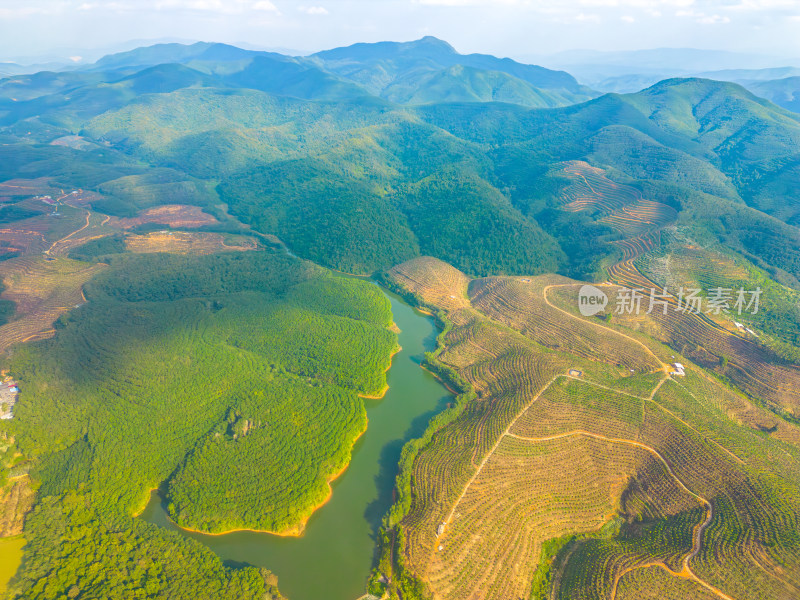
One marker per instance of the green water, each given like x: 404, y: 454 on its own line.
x: 332, y: 561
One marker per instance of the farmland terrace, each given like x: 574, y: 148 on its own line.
x: 611, y: 484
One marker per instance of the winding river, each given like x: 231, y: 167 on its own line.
x: 333, y: 559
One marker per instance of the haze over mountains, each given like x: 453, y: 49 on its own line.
x: 430, y: 70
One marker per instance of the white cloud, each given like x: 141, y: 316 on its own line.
x: 703, y: 18
x: 627, y: 19
x: 713, y: 19
x: 566, y: 4
x: 313, y: 10
x: 472, y: 2
x: 763, y: 4
x: 650, y: 4
x: 29, y: 10
x: 265, y: 5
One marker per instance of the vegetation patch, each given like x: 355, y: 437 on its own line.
x: 183, y: 375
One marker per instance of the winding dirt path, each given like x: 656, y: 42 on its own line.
x: 66, y: 237
x: 697, y: 538
x: 663, y: 366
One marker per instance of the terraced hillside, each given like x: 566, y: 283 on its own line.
x: 42, y: 290
x: 575, y: 465
x: 637, y: 221
x: 41, y: 281
x: 771, y: 374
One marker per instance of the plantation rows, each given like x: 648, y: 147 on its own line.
x: 594, y: 566
x: 754, y: 513
x: 637, y: 220
x: 654, y: 583
x: 683, y: 449
x: 183, y: 376
x: 199, y: 491
x: 532, y: 491
x: 681, y: 263
x: 26, y: 240
x: 684, y: 471
x: 94, y: 226
x: 569, y: 405
x: 434, y: 282
x: 182, y: 242
x: 522, y: 307
x: 622, y: 206
x: 451, y: 457
x: 509, y: 378
x: 43, y: 291
x: 686, y: 265
x: 591, y: 189
x: 753, y: 368
x: 27, y: 187
x: 174, y: 215
x: 641, y: 217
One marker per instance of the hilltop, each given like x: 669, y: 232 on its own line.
x: 168, y: 219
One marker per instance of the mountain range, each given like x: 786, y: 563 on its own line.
x: 414, y: 137
x: 202, y: 192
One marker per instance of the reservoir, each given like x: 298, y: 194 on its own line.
x: 333, y: 559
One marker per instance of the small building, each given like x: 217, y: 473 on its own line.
x: 679, y: 370
x: 575, y: 373
x: 440, y: 529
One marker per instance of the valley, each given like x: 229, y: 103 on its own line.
x: 215, y: 399
x: 334, y: 557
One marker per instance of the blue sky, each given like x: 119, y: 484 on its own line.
x: 516, y: 28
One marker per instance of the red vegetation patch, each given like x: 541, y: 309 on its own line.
x: 174, y: 215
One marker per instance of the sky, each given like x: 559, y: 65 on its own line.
x: 516, y: 28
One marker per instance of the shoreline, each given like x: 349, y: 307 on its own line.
x: 299, y: 529
x: 441, y: 381
x: 296, y: 531
x: 385, y: 389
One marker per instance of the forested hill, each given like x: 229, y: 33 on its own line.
x: 304, y: 148
x: 423, y: 71
x: 340, y: 182
x: 206, y: 361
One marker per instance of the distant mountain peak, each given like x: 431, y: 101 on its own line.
x: 430, y: 40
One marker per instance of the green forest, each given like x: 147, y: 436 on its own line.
x: 230, y: 381
x: 234, y: 383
